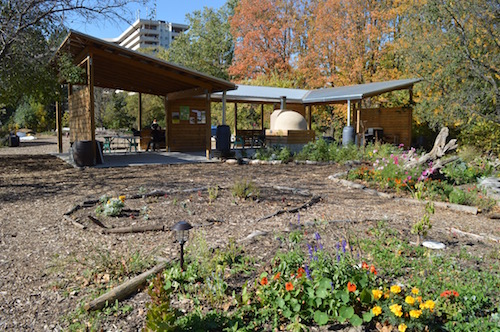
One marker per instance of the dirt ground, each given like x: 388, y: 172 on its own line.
x: 42, y: 256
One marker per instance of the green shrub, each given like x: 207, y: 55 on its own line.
x: 244, y: 189
x: 484, y: 135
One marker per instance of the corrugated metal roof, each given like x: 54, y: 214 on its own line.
x: 251, y: 93
x: 356, y: 92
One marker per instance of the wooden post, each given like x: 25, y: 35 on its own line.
x: 59, y: 127
x: 90, y: 82
x: 235, y: 119
x: 309, y: 117
x: 168, y: 125
x: 139, y: 119
x: 208, y: 125
x: 262, y: 116
x: 224, y: 107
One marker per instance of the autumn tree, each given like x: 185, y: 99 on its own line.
x: 455, y: 47
x: 345, y: 42
x: 263, y: 31
x: 208, y: 44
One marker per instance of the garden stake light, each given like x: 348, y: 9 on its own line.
x: 181, y: 234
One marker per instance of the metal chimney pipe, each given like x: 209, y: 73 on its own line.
x: 283, y: 102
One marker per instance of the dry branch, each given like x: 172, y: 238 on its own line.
x: 312, y: 201
x: 439, y: 150
x: 135, y: 229
x: 476, y: 236
x: 97, y: 222
x: 74, y: 222
x: 124, y: 290
x: 73, y: 209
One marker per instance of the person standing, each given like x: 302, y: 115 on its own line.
x: 155, y: 136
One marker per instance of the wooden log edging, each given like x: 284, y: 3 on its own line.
x: 124, y: 290
x: 444, y: 205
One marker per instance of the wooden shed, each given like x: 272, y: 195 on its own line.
x: 108, y: 65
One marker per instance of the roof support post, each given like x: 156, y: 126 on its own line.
x: 168, y: 124
x: 208, y: 126
x: 59, y: 126
x: 90, y: 82
x: 235, y: 119
x: 262, y: 116
x: 139, y: 119
x: 348, y: 113
x: 309, y: 117
x: 224, y: 107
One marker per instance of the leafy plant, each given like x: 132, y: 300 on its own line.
x: 244, y: 189
x: 110, y: 206
x: 421, y: 227
x: 213, y: 193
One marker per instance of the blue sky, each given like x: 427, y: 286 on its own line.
x: 167, y: 10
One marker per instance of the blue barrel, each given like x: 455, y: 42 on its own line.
x: 348, y: 135
x: 82, y: 153
x: 223, y: 138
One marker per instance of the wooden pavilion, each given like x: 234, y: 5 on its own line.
x: 108, y: 65
x: 188, y: 95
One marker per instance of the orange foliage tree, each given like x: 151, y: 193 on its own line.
x: 263, y: 34
x: 347, y: 42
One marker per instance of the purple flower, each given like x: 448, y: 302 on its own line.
x: 308, y: 273
x: 337, y: 246
x: 298, y: 217
x: 320, y: 246
x: 338, y: 258
x: 309, y: 248
x: 316, y: 236
x: 344, y: 244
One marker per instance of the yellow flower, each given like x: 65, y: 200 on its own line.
x: 410, y: 300
x: 122, y: 198
x: 376, y: 310
x: 419, y: 299
x: 429, y: 304
x: 377, y: 293
x: 415, y: 290
x: 402, y: 327
x: 395, y: 289
x: 415, y: 313
x: 396, y: 310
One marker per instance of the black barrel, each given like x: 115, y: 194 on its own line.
x: 13, y: 140
x: 82, y: 153
x: 223, y: 138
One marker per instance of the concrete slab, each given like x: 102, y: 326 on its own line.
x: 146, y: 158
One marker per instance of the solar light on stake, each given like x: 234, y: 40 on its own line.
x: 182, y: 234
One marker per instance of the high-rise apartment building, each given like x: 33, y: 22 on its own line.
x: 149, y: 33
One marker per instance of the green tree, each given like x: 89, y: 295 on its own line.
x: 455, y: 47
x: 208, y: 44
x: 30, y: 30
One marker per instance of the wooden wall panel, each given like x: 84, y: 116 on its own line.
x: 79, y: 115
x: 186, y: 136
x: 396, y: 123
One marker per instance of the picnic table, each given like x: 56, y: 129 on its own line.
x: 114, y: 142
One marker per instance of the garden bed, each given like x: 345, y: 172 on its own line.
x: 51, y: 268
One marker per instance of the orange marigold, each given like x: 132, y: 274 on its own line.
x: 289, y: 286
x: 351, y: 287
x: 277, y: 276
x: 300, y: 272
x: 264, y: 281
